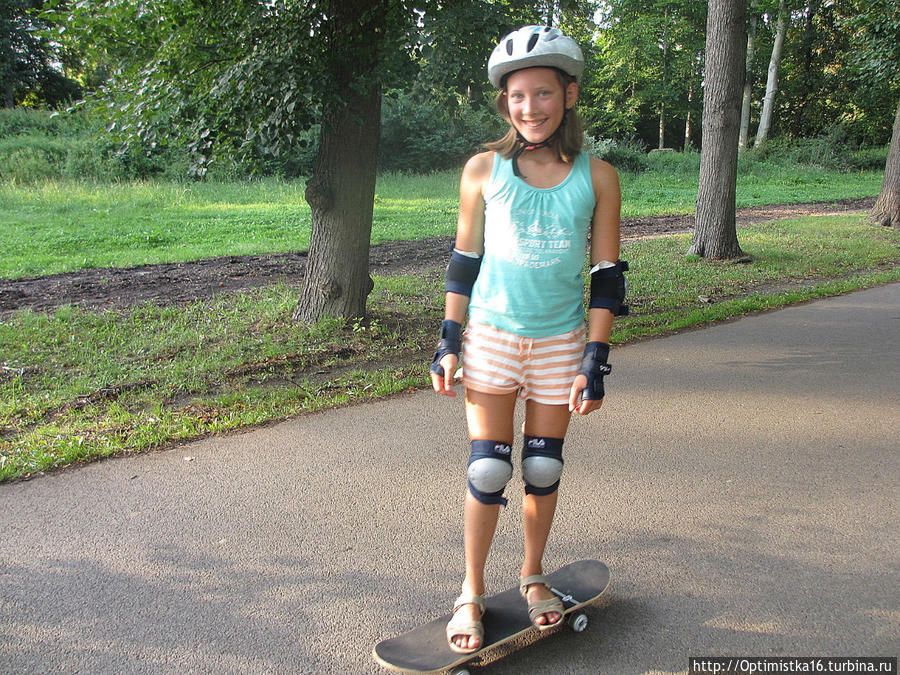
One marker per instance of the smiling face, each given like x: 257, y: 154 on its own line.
x: 537, y: 100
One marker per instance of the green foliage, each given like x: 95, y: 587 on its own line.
x: 37, y: 146
x: 833, y: 151
x: 646, y: 58
x: 840, y: 68
x: 29, y: 58
x: 628, y: 156
x: 422, y: 136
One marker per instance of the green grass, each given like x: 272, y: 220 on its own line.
x: 671, y: 187
x: 58, y: 226
x: 78, y: 385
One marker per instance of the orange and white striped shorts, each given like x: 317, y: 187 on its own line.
x: 541, y: 369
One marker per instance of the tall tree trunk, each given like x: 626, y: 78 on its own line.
x: 765, y: 119
x: 341, y: 195
x: 662, y: 126
x: 744, y: 137
x: 666, y: 83
x: 805, y: 115
x: 887, y: 207
x: 715, y: 229
x: 687, y: 120
x: 341, y: 191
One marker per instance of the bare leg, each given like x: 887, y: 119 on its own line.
x: 490, y: 417
x: 550, y: 421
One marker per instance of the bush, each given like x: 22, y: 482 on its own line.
x: 832, y: 150
x: 627, y: 156
x: 37, y: 145
x: 421, y: 137
x: 674, y: 162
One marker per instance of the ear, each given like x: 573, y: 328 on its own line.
x: 571, y: 95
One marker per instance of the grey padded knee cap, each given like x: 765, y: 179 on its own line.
x: 489, y: 474
x: 541, y: 472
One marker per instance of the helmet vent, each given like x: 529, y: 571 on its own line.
x: 532, y: 41
x: 509, y: 47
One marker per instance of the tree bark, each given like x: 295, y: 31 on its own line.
x: 665, y: 56
x: 887, y: 207
x: 341, y: 191
x: 715, y: 229
x: 687, y: 119
x: 744, y: 137
x: 765, y: 118
x: 9, y: 100
x: 662, y: 126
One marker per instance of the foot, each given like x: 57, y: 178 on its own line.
x: 465, y: 632
x: 544, y: 608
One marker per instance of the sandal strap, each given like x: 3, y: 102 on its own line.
x: 525, y: 582
x: 469, y: 599
x: 535, y: 609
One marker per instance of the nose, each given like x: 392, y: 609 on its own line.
x: 528, y: 104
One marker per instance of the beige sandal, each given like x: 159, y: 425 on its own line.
x: 464, y: 627
x: 535, y: 609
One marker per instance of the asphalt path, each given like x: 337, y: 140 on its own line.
x: 741, y: 483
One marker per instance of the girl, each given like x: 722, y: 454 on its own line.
x: 526, y: 206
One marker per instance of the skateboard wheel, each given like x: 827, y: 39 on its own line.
x: 578, y: 622
x: 460, y: 671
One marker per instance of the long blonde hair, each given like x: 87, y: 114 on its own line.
x: 567, y: 141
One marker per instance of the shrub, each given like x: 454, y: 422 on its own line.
x: 421, y: 137
x: 628, y: 156
x: 831, y: 150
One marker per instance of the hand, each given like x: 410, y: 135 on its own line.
x: 578, y: 405
x: 443, y: 383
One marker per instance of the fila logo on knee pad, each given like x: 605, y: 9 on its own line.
x: 503, y: 449
x: 538, y: 443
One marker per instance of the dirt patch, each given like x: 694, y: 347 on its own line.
x: 177, y: 283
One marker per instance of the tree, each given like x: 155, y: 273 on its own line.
x: 27, y: 58
x: 765, y: 118
x: 715, y: 229
x: 240, y: 82
x: 874, y: 28
x: 743, y: 137
x: 646, y: 66
x: 886, y: 210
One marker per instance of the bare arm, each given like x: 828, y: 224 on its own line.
x: 604, y: 246
x: 469, y: 238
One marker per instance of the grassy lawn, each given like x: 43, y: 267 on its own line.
x: 56, y: 227
x: 77, y: 385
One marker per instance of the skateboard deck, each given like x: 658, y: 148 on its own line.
x: 425, y: 649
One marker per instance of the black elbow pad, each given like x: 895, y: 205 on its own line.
x: 608, y: 288
x: 461, y: 273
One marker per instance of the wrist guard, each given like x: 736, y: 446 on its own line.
x: 594, y: 367
x: 449, y: 343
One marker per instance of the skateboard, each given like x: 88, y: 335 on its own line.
x: 425, y: 649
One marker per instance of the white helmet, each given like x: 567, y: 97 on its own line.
x: 534, y: 46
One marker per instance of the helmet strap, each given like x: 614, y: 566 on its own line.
x: 525, y: 145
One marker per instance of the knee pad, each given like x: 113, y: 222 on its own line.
x: 490, y: 469
x: 542, y: 464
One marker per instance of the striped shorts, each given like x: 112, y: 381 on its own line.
x: 541, y: 369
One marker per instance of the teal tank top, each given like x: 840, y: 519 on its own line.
x: 530, y: 282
